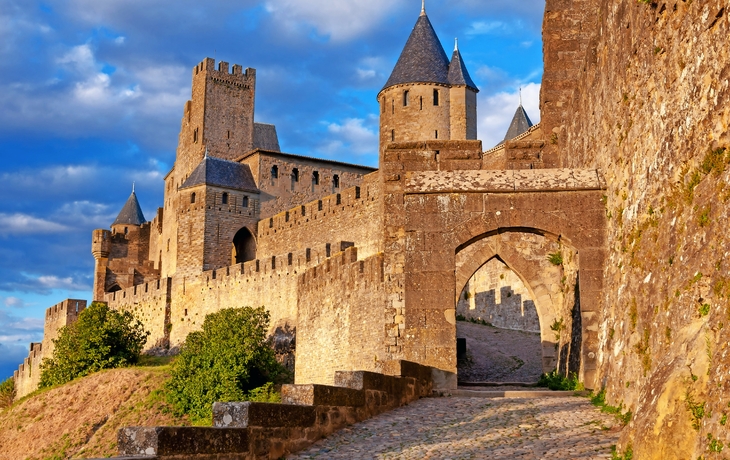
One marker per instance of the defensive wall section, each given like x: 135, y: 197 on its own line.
x: 354, y: 215
x: 28, y: 375
x: 340, y: 308
x: 171, y: 308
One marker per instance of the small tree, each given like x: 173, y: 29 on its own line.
x: 7, y: 393
x: 229, y: 360
x: 101, y: 338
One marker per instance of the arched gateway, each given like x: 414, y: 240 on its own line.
x: 443, y: 223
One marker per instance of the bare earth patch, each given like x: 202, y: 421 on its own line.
x: 499, y: 355
x: 81, y: 418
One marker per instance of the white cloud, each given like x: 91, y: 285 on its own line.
x: 55, y: 282
x: 14, y: 302
x: 352, y: 135
x: 495, y: 112
x: 341, y: 20
x: 23, y: 224
x: 491, y: 27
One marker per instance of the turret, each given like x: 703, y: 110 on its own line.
x: 427, y: 96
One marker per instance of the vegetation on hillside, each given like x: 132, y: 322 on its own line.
x: 81, y: 418
x: 229, y: 360
x: 7, y: 393
x: 101, y: 338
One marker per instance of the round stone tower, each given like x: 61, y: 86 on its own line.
x: 427, y: 96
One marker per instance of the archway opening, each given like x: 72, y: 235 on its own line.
x: 497, y: 328
x: 524, y: 283
x: 244, y: 246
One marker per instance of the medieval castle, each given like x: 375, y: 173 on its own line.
x: 612, y: 213
x: 358, y: 267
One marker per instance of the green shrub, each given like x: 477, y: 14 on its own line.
x: 229, y: 360
x: 556, y: 381
x: 7, y: 393
x: 101, y: 338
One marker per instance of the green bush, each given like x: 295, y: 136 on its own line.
x: 7, y: 393
x: 101, y: 338
x: 556, y: 381
x: 229, y: 360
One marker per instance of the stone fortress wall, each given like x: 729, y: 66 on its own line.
x: 28, y: 375
x: 653, y: 113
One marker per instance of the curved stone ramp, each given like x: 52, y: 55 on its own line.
x: 457, y: 427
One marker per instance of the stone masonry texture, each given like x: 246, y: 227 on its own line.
x: 652, y: 111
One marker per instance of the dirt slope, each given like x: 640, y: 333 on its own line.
x: 81, y: 419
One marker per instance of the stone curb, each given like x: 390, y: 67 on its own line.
x: 514, y: 394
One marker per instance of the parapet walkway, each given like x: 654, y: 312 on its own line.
x: 469, y: 427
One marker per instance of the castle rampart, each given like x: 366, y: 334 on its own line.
x: 352, y: 215
x: 341, y: 309
x: 28, y: 375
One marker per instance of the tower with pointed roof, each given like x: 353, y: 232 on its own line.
x: 427, y: 95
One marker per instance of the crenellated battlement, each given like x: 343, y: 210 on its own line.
x: 234, y: 75
x: 317, y: 209
x: 67, y: 310
x: 138, y: 293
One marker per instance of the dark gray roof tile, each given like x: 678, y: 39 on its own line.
x: 423, y: 59
x: 265, y: 138
x: 458, y: 75
x: 131, y: 213
x: 520, y: 124
x: 221, y: 173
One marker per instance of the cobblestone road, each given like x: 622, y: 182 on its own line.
x: 477, y: 428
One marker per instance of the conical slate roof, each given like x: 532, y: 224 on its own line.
x: 458, y: 75
x: 520, y: 124
x: 423, y: 59
x: 131, y: 213
x: 221, y: 173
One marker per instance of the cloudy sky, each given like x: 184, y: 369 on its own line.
x: 92, y: 92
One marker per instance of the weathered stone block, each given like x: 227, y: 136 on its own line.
x: 189, y: 441
x: 245, y: 414
x: 321, y: 395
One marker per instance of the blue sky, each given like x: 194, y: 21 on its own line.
x: 92, y: 92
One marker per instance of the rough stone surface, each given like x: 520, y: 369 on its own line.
x: 651, y: 106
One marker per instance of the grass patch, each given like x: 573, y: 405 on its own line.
x: 154, y: 361
x: 599, y: 400
x: 628, y: 453
x: 695, y: 408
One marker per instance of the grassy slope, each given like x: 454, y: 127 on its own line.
x: 81, y: 418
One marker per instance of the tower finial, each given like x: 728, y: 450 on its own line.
x: 206, y: 150
x: 423, y: 7
x: 132, y: 186
x: 520, y: 96
x: 456, y: 44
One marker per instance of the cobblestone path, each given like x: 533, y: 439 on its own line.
x: 477, y: 428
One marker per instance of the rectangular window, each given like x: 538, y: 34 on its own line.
x: 435, y: 97
x: 405, y: 98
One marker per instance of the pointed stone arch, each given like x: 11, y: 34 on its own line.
x: 525, y: 252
